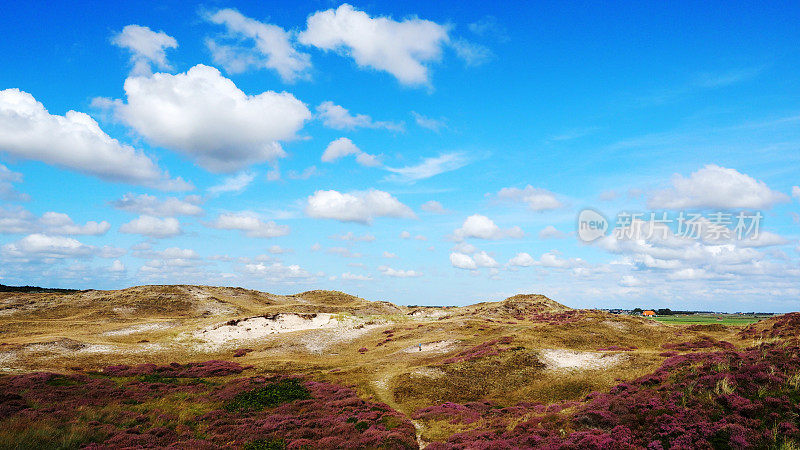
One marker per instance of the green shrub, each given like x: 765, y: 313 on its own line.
x: 266, y: 444
x: 268, y: 396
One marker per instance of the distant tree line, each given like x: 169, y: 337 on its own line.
x: 36, y: 289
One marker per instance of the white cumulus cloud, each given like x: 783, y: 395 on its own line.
x: 204, y: 116
x: 44, y: 246
x: 716, y: 187
x: 251, y: 224
x: 404, y: 49
x: 60, y: 223
x: 146, y: 46
x: 522, y: 260
x: 270, y: 46
x: 462, y: 261
x: 482, y: 227
x: 432, y: 206
x: 73, y: 141
x: 360, y: 206
x: 152, y: 226
x: 344, y: 147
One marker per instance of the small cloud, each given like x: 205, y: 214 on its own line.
x: 153, y: 227
x: 349, y: 236
x: 343, y: 147
x: 550, y: 232
x: 472, y: 54
x: 481, y: 227
x: 339, y: 118
x: 146, y: 46
x: 537, y: 199
x: 434, y: 207
x: 236, y: 183
x: 396, y: 273
x: 307, y: 173
x: 429, y: 123
x: 250, y: 224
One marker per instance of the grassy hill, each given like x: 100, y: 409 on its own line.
x: 526, y: 349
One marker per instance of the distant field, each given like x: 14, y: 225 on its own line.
x: 724, y: 319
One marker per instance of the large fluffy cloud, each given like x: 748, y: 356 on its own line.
x: 74, y: 141
x: 361, y: 207
x: 146, y: 46
x: 251, y: 224
x: 272, y: 48
x: 401, y: 48
x: 203, y: 115
x: 44, y: 246
x: 716, y: 187
x: 482, y: 227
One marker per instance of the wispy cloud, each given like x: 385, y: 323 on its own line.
x: 701, y: 81
x: 236, y: 183
x: 429, y: 167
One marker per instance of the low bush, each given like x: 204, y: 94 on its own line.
x: 272, y: 394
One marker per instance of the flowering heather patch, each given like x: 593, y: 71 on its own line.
x: 241, y: 352
x: 701, y: 343
x: 488, y: 348
x: 724, y: 399
x: 150, y: 406
x: 212, y: 368
x: 559, y: 318
x: 785, y: 325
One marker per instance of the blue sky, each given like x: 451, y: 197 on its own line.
x: 414, y: 152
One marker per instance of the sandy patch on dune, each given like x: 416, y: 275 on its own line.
x: 6, y: 360
x: 428, y: 314
x: 431, y: 347
x: 428, y: 372
x: 320, y: 330
x: 141, y: 328
x: 560, y: 359
x: 615, y: 325
x: 70, y: 347
x: 319, y: 341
